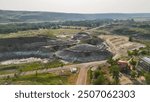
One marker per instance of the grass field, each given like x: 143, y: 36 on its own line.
x: 39, y: 79
x: 41, y: 32
x: 5, y: 69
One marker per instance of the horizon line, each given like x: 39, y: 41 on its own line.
x: 76, y: 12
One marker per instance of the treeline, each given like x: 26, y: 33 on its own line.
x: 15, y: 27
x: 12, y: 28
x: 87, y: 23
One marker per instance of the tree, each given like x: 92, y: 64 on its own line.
x: 99, y: 67
x: 20, y: 71
x: 8, y: 77
x: 141, y: 73
x: 129, y: 53
x: 16, y: 75
x: 133, y: 62
x: 133, y: 74
x: 90, y: 74
x: 114, y: 70
x: 143, y: 52
x: 96, y: 74
x: 100, y: 80
x: 111, y: 61
x: 62, y: 65
x: 147, y: 77
x: 130, y: 38
x: 135, y: 52
x: 36, y: 73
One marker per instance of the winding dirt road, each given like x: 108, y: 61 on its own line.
x: 82, y: 76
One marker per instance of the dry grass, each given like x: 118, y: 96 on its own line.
x: 72, y: 79
x: 41, y: 32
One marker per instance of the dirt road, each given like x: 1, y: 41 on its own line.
x: 82, y: 76
x: 51, y: 70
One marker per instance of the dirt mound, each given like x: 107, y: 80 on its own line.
x: 83, y: 53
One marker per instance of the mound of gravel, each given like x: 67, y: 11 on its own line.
x: 83, y: 53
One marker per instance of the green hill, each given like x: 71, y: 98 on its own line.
x: 7, y: 16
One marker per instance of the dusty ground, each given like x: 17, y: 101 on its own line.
x: 82, y: 77
x: 24, y: 60
x: 119, y: 45
x: 125, y: 80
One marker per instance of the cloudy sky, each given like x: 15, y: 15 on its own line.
x: 79, y: 6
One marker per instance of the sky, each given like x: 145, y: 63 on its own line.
x: 78, y: 6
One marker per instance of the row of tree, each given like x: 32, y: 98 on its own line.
x: 15, y: 27
x: 12, y: 28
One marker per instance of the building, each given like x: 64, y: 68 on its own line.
x: 144, y: 64
x: 124, y: 66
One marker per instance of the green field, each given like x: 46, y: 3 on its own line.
x: 52, y: 33
x: 6, y: 69
x: 39, y: 79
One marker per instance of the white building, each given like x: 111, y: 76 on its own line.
x: 144, y: 64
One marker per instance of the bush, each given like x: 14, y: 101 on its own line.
x: 133, y: 74
x: 96, y: 74
x: 100, y: 80
x: 147, y: 77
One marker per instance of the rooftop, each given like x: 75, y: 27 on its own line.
x: 146, y: 59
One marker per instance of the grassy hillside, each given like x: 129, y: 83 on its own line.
x: 26, y: 16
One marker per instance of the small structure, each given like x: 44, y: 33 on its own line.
x: 124, y: 65
x: 73, y: 70
x: 144, y: 64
